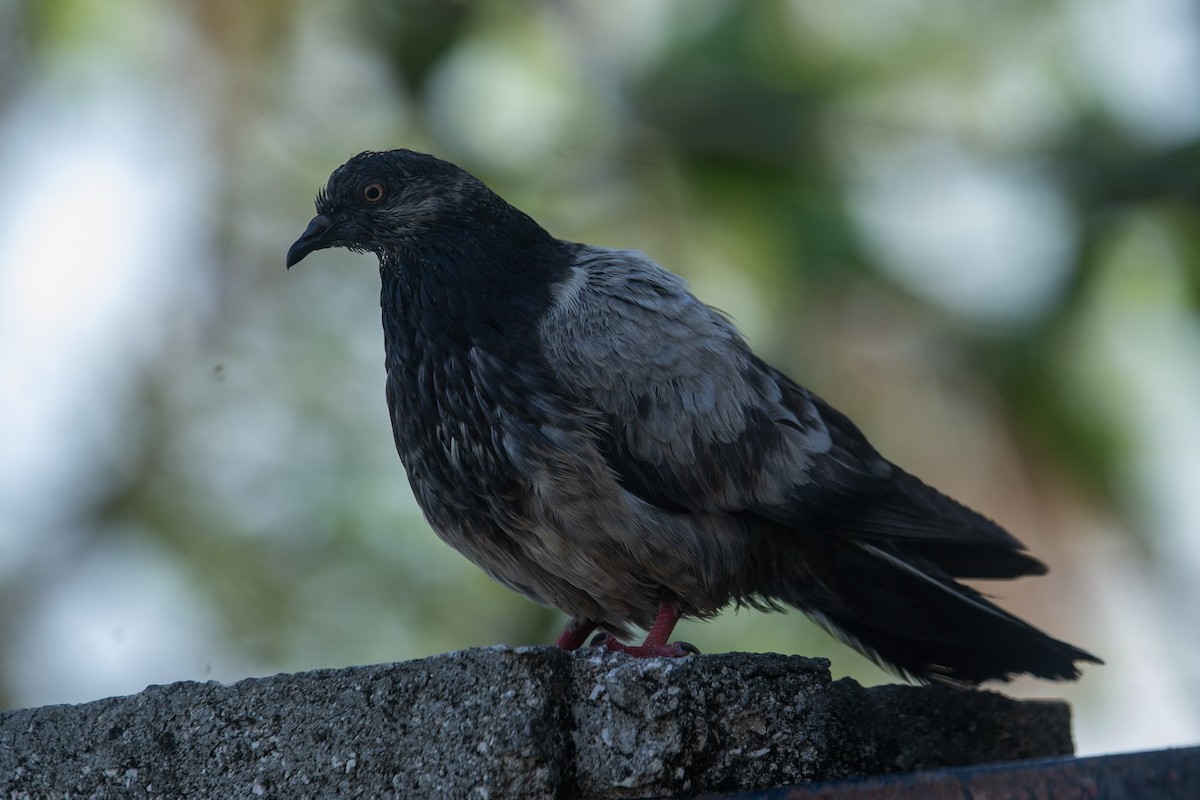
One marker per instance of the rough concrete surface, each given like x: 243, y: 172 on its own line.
x: 1156, y: 775
x: 503, y: 722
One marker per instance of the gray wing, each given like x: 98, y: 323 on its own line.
x: 692, y: 414
x: 696, y: 423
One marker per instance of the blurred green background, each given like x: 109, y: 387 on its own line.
x: 971, y: 226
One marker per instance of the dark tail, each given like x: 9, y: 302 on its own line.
x: 908, y: 615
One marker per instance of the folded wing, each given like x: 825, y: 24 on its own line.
x: 698, y: 424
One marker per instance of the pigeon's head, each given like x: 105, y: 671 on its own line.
x: 381, y: 202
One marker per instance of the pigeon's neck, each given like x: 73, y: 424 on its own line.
x: 450, y: 293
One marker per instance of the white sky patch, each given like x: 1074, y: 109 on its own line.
x: 130, y: 615
x: 97, y: 252
x: 61, y: 287
x: 1138, y: 365
x: 1143, y: 58
x: 1133, y: 702
x: 989, y: 243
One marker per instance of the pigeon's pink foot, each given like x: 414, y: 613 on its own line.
x: 671, y: 650
x: 656, y: 645
x: 575, y: 633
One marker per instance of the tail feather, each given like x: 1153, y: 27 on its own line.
x: 911, y: 617
x: 970, y: 560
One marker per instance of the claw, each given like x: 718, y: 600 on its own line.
x: 673, y: 650
x: 656, y: 645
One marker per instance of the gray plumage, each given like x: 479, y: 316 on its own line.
x: 578, y: 424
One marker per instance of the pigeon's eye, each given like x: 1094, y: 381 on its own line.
x: 373, y: 192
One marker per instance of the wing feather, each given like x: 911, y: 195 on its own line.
x: 696, y: 423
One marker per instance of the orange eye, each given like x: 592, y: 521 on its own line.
x: 373, y: 192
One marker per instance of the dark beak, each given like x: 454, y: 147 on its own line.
x: 313, y: 238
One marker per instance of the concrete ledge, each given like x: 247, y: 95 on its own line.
x: 503, y: 722
x: 1155, y: 775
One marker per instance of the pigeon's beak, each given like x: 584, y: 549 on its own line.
x: 313, y: 238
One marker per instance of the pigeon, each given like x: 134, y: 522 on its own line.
x: 574, y: 421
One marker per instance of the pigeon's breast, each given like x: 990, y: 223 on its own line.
x: 475, y: 436
x: 446, y: 423
x: 507, y: 474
